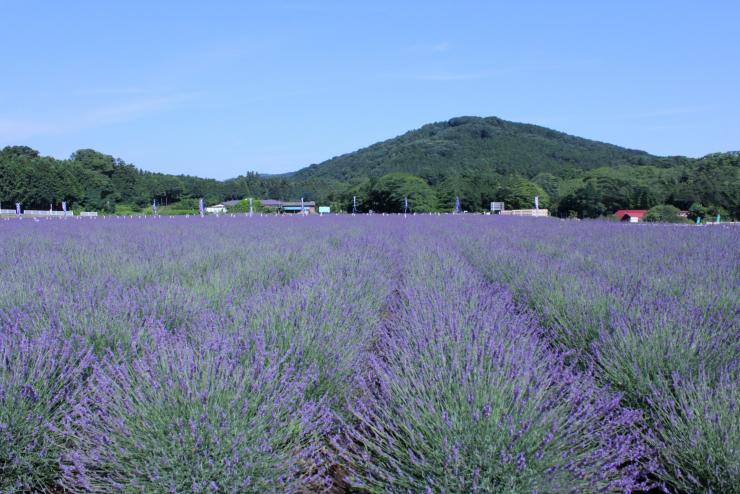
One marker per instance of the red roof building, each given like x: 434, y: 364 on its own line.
x: 631, y: 215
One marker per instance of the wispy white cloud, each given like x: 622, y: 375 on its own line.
x: 662, y: 127
x: 440, y: 47
x: 452, y: 77
x: 111, y: 91
x: 128, y: 110
x: 479, y: 74
x: 669, y: 112
x: 13, y: 129
x: 331, y: 7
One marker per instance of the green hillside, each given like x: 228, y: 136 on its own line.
x: 475, y: 145
x: 489, y: 159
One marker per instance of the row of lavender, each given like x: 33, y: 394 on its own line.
x: 654, y: 312
x: 376, y: 354
x: 181, y: 357
x: 464, y: 396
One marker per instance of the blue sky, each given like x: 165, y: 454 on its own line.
x: 219, y: 88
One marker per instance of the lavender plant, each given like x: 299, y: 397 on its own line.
x: 334, y: 311
x: 464, y: 398
x: 40, y: 377
x: 698, y: 428
x: 223, y: 417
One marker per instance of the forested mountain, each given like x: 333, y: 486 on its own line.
x: 475, y: 145
x: 478, y: 159
x: 489, y: 159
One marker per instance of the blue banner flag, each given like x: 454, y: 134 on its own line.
x: 251, y: 210
x: 18, y: 208
x: 64, y: 206
x: 302, y: 209
x: 457, y: 204
x: 537, y: 202
x: 201, y: 207
x: 405, y: 204
x: 154, y: 207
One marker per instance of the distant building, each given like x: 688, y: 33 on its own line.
x: 39, y: 212
x: 296, y: 207
x: 497, y: 207
x: 288, y: 207
x: 231, y: 204
x: 631, y: 215
x: 538, y: 213
x: 216, y: 209
x: 271, y: 204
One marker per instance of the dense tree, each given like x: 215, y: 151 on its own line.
x: 243, y: 206
x: 519, y: 193
x: 584, y: 202
x: 548, y: 182
x: 387, y: 194
x: 456, y: 186
x: 664, y: 213
x: 124, y: 179
x: 697, y: 211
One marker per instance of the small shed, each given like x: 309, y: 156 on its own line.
x: 631, y: 215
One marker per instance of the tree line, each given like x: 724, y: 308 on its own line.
x: 95, y: 181
x: 710, y: 185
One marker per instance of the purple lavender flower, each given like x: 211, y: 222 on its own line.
x: 394, y: 355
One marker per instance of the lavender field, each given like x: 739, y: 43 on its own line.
x: 428, y: 354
